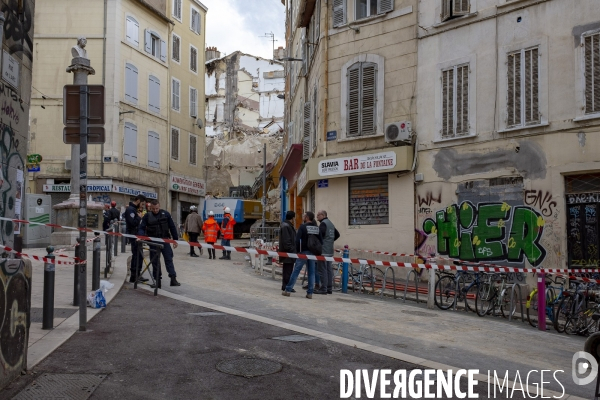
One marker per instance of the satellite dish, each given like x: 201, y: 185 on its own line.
x: 199, y: 123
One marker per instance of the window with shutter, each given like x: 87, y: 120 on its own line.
x: 385, y: 6
x: 454, y: 8
x: 339, y: 13
x: 177, y: 9
x: 147, y: 41
x: 362, y: 99
x: 291, y: 138
x: 193, y: 149
x: 133, y: 28
x: 193, y: 102
x: 130, y: 142
x: 175, y: 144
x: 455, y: 101
x: 163, y: 51
x: 176, y: 48
x: 175, y: 94
x: 315, y: 118
x: 153, y: 150
x: 365, y: 8
x: 306, y: 132
x: 522, y: 97
x: 131, y: 83
x: 193, y: 59
x: 154, y: 94
x: 195, y: 21
x: 592, y: 73
x: 368, y: 200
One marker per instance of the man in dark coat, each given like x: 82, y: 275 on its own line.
x: 133, y: 217
x: 287, y: 244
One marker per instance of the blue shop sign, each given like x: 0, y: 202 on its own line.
x: 323, y: 183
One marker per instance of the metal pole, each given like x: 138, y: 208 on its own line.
x: 541, y: 301
x: 264, y: 196
x: 123, y: 238
x: 76, y: 279
x: 431, y: 290
x: 96, y: 263
x: 115, y: 238
x: 83, y: 144
x: 108, y: 252
x: 48, y: 304
x: 346, y: 254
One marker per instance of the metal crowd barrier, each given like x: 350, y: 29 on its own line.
x: 154, y: 259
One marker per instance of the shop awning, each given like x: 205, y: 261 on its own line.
x: 293, y: 161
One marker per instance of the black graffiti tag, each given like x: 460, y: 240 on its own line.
x: 18, y: 27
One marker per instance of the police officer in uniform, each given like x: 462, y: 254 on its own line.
x: 159, y: 224
x: 132, y: 219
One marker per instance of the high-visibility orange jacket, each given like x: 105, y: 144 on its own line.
x: 210, y: 229
x: 227, y: 228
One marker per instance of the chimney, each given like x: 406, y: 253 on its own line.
x: 279, y: 53
x: 212, y: 53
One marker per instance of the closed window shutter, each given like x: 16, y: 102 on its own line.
x: 130, y: 142
x: 291, y: 138
x: 193, y: 102
x: 154, y: 94
x: 368, y: 200
x: 175, y: 97
x: 131, y: 83
x: 592, y: 73
x: 315, y: 116
x: 197, y: 16
x: 462, y: 100
x: 446, y: 9
x: 317, y: 21
x: 306, y: 132
x: 384, y: 6
x: 460, y: 7
x: 147, y: 41
x: 304, y: 52
x: 513, y: 102
x: 339, y: 13
x: 176, y: 48
x: 532, y: 114
x: 448, y: 103
x: 193, y: 59
x: 353, y: 100
x: 163, y: 51
x: 175, y: 144
x: 177, y: 8
x: 193, y: 149
x: 195, y: 21
x: 153, y: 150
x: 133, y: 31
x: 368, y: 99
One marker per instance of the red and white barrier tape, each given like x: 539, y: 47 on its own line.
x: 37, y: 258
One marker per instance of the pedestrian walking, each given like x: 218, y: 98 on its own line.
x: 287, y: 244
x: 159, y: 224
x: 308, y: 242
x: 133, y: 217
x: 193, y: 227
x: 227, y: 231
x: 325, y: 268
x: 211, y: 230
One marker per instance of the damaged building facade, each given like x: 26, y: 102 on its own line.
x: 508, y: 136
x: 244, y: 111
x: 357, y: 78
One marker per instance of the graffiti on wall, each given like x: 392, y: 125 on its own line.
x: 18, y: 27
x: 494, y: 231
x: 541, y: 200
x: 368, y: 207
x: 11, y: 162
x: 102, y: 198
x: 15, y: 280
x: 426, y: 202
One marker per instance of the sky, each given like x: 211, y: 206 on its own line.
x: 238, y: 24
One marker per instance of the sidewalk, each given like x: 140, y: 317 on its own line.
x: 66, y: 316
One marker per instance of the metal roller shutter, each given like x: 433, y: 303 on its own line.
x: 368, y: 200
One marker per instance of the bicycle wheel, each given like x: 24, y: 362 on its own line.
x: 572, y: 324
x: 484, y: 301
x: 562, y: 313
x: 505, y: 306
x: 337, y: 277
x: 372, y: 279
x: 469, y: 292
x: 445, y: 289
x: 532, y: 309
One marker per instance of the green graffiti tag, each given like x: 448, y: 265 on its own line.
x: 482, y: 233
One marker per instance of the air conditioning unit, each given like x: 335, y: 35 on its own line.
x: 68, y: 165
x: 398, y: 132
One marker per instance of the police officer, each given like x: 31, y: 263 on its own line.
x: 132, y: 219
x: 113, y: 212
x: 159, y: 224
x: 227, y: 232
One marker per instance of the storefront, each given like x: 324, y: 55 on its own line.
x: 369, y: 196
x: 185, y: 192
x: 99, y: 189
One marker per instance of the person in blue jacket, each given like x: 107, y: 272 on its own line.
x: 133, y: 217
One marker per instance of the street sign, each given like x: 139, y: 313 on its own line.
x: 72, y: 105
x: 323, y: 183
x: 95, y: 135
x: 34, y: 159
x: 331, y: 135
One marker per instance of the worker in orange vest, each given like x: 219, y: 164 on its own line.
x: 227, y: 232
x: 211, y: 230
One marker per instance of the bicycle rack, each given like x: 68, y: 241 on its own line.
x: 512, y: 298
x: 406, y: 286
x: 393, y: 282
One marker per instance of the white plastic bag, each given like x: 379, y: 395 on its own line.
x: 96, y: 299
x: 91, y: 299
x: 106, y: 285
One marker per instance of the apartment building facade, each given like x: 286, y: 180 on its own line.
x: 356, y: 81
x: 509, y: 110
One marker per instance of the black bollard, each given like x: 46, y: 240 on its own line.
x: 115, y: 238
x: 123, y: 238
x: 48, y: 299
x: 96, y: 263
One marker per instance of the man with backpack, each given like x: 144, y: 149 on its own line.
x: 329, y: 235
x: 308, y: 242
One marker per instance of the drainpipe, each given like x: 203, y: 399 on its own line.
x: 103, y: 79
x: 169, y: 201
x: 326, y: 73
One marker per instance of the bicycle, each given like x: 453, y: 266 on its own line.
x: 491, y: 297
x: 552, y: 302
x: 451, y: 288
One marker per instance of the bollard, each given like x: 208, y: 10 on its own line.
x: 541, y: 301
x: 431, y: 291
x: 123, y: 238
x: 115, y: 239
x: 346, y: 254
x: 96, y: 263
x: 108, y: 253
x: 48, y: 301
x: 76, y: 279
